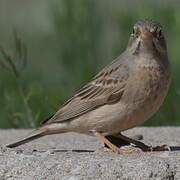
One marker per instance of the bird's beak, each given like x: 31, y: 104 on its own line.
x: 146, y: 35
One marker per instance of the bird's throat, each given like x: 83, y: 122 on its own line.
x: 145, y: 47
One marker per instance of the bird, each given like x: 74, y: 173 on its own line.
x: 123, y: 95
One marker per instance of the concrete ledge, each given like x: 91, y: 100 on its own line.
x: 76, y: 156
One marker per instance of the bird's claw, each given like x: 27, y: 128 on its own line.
x: 157, y: 148
x: 121, y: 151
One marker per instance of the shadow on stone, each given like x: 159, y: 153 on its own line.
x: 74, y: 150
x: 119, y: 142
x: 175, y: 148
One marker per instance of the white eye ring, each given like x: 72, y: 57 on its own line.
x: 159, y: 33
x: 134, y: 31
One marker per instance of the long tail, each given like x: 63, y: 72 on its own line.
x: 33, y: 135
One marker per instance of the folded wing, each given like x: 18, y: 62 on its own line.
x: 105, y: 88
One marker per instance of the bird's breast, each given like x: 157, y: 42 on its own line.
x: 148, y: 80
x: 145, y: 93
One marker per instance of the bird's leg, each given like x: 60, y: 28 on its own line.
x: 141, y: 145
x: 112, y: 147
x: 119, y: 142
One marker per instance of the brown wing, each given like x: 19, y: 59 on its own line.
x: 105, y: 88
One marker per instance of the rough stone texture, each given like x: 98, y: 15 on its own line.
x: 77, y: 157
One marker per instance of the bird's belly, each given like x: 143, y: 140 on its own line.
x: 110, y: 119
x: 136, y: 106
x: 141, y: 111
x: 104, y: 119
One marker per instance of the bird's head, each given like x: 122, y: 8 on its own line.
x: 147, y: 37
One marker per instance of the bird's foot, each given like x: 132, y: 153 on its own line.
x: 121, y: 151
x: 112, y: 147
x: 157, y: 148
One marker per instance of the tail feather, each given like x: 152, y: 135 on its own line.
x: 34, y: 135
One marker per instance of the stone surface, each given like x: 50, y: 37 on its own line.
x: 77, y: 157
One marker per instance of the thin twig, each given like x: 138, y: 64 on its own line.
x: 3, y: 65
x: 10, y: 61
x: 21, y: 52
x: 25, y: 102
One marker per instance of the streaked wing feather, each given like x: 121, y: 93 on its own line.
x: 77, y: 109
x: 105, y: 88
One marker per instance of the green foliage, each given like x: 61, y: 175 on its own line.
x: 86, y: 35
x: 14, y: 99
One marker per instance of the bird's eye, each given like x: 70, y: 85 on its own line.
x: 159, y: 33
x: 133, y: 31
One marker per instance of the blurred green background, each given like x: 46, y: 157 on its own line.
x: 67, y: 42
